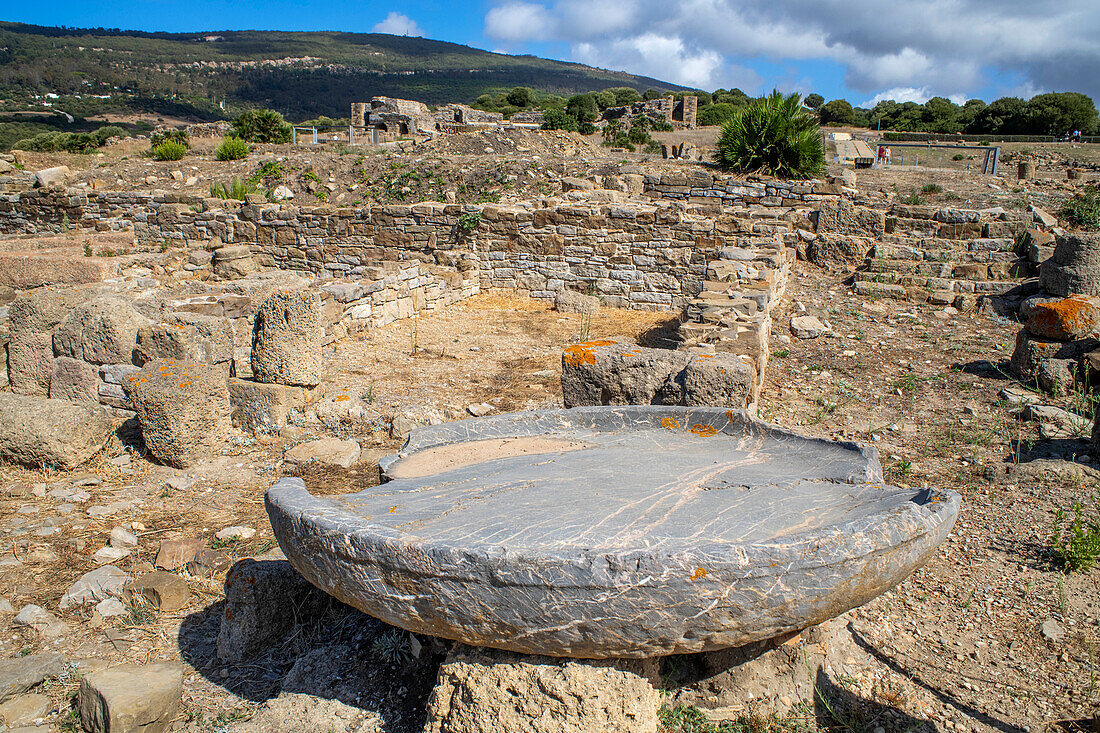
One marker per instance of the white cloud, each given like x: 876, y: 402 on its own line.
x: 934, y: 47
x: 661, y: 57
x: 519, y: 21
x: 398, y: 24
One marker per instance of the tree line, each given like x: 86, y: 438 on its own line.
x: 1055, y: 113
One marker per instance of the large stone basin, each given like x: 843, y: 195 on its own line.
x: 613, y: 531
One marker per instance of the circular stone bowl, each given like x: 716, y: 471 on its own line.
x: 603, y: 532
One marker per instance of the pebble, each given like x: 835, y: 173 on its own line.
x: 109, y: 607
x: 109, y: 554
x: 236, y: 533
x: 479, y: 410
x: 179, y: 483
x: 122, y: 539
x: 1051, y: 630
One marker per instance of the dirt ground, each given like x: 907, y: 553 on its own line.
x: 963, y: 632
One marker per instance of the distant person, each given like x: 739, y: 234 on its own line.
x: 887, y: 158
x: 881, y: 153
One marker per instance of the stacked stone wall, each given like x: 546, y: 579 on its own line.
x: 633, y: 254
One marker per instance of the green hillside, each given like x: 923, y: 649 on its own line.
x: 215, y: 74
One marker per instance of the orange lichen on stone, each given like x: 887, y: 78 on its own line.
x: 341, y: 398
x: 1072, y: 318
x: 670, y: 423
x: 704, y: 431
x: 583, y: 353
x: 698, y: 574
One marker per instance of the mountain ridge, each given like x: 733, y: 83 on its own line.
x: 211, y: 74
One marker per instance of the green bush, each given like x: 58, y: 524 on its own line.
x: 586, y: 128
x: 237, y: 189
x: 232, y: 148
x: 1083, y: 210
x: 1077, y: 545
x: 559, y: 119
x: 103, y: 134
x: 931, y: 188
x: 716, y: 114
x: 958, y: 156
x: 262, y: 126
x: 773, y: 135
x: 169, y: 150
x: 174, y: 136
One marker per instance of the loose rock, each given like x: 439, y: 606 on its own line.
x: 130, y: 698
x: 164, y: 591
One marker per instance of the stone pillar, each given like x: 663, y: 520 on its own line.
x: 1025, y: 170
x: 1073, y: 174
x: 691, y: 107
x: 358, y: 114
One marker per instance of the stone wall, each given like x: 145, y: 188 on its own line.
x: 632, y: 253
x: 704, y: 187
x: 213, y: 322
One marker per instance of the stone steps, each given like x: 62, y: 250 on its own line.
x: 923, y: 289
x: 891, y: 269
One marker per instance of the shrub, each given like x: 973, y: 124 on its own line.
x: 169, y: 150
x: 105, y: 133
x: 237, y: 189
x: 174, y: 136
x: 262, y: 126
x: 773, y: 135
x: 716, y: 114
x: 558, y: 119
x: 1077, y: 545
x: 232, y: 148
x: 913, y: 199
x: 931, y: 188
x: 586, y: 128
x: 958, y: 156
x: 1083, y: 210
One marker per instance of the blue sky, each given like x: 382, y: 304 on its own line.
x: 862, y: 50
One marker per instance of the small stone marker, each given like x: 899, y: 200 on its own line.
x: 130, y: 698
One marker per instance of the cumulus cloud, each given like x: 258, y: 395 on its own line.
x: 398, y: 24
x: 661, y: 57
x: 936, y: 47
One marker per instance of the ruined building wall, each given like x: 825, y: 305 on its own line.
x: 634, y: 254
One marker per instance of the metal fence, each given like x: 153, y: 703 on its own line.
x: 933, y: 137
x: 322, y: 135
x: 978, y: 158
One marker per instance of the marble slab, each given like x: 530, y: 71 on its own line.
x: 598, y: 532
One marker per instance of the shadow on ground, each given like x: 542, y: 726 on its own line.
x: 338, y: 654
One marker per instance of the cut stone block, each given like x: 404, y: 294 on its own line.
x: 131, y: 698
x: 264, y: 599
x: 1075, y: 317
x: 183, y: 408
x: 483, y: 691
x: 613, y: 532
x: 102, y: 331
x: 164, y: 591
x: 56, y: 433
x: 1074, y: 268
x: 286, y: 347
x: 187, y: 337
x: 263, y: 408
x: 614, y: 372
x: 73, y: 380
